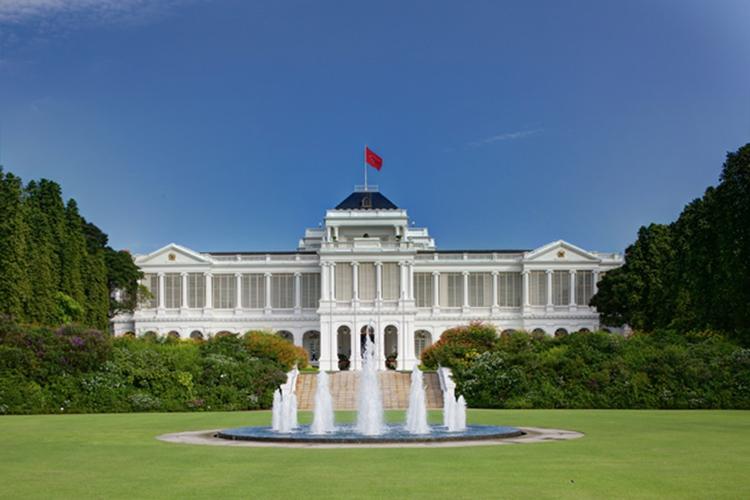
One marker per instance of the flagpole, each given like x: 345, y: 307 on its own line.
x: 365, y: 165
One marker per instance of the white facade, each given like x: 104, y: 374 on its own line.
x: 366, y: 266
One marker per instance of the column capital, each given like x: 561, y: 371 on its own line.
x: 436, y: 273
x: 208, y: 274
x: 465, y: 273
x: 495, y: 273
x: 378, y: 264
x: 238, y: 275
x: 183, y: 274
x: 355, y: 264
x: 572, y: 271
x: 549, y: 271
x: 267, y: 275
x: 297, y: 274
x: 525, y: 272
x: 160, y: 274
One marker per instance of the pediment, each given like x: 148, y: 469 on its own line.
x: 560, y: 251
x: 172, y: 254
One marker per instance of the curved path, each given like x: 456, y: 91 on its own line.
x: 208, y: 437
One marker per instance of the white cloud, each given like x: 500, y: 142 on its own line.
x: 25, y: 11
x: 507, y: 136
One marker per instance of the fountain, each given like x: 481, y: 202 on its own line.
x: 416, y: 415
x: 370, y: 426
x: 369, y: 401
x: 323, y: 419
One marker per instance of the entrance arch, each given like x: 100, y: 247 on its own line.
x: 344, y: 342
x: 311, y: 343
x: 286, y: 335
x: 363, y: 337
x: 390, y: 344
x: 196, y: 335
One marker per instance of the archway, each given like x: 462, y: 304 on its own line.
x: 174, y: 334
x: 150, y: 335
x: 390, y: 343
x: 311, y: 343
x: 561, y: 332
x: 584, y: 330
x: 538, y: 333
x: 507, y: 332
x: 286, y: 335
x: 196, y: 335
x: 363, y: 337
x: 422, y: 340
x: 344, y: 342
x: 129, y: 335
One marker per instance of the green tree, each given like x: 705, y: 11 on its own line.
x: 41, y: 256
x: 73, y: 254
x: 14, y: 232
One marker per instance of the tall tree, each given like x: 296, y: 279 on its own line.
x: 41, y: 256
x: 73, y: 255
x: 14, y: 284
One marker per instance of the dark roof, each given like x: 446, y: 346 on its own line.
x: 366, y: 200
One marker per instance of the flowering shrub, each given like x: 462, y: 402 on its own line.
x: 269, y: 346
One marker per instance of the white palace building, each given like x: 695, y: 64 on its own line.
x: 366, y: 267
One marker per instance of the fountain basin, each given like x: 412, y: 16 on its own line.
x: 348, y: 434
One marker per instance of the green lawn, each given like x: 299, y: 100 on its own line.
x: 680, y: 454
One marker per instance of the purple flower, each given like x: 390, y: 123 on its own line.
x: 77, y: 341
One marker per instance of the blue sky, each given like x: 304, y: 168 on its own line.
x: 233, y: 125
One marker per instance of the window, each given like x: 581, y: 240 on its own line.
x: 480, y: 289
x: 196, y: 287
x: 151, y: 282
x: 282, y: 291
x: 391, y: 281
x: 509, y: 289
x: 172, y: 290
x: 366, y: 281
x: 422, y: 340
x: 560, y: 288
x: 224, y: 291
x: 253, y: 291
x: 538, y: 288
x: 310, y: 293
x: 423, y: 289
x: 584, y: 287
x: 451, y: 290
x: 343, y: 275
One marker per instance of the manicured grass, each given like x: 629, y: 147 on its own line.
x: 633, y: 454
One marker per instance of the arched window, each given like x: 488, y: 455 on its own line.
x: 538, y: 333
x: 422, y: 340
x: 311, y: 343
x: 150, y: 335
x: 363, y: 337
x: 286, y: 335
x: 561, y: 332
x: 584, y: 330
x: 507, y: 332
x: 390, y: 342
x: 344, y: 341
x: 173, y: 334
x: 196, y: 335
x: 129, y: 335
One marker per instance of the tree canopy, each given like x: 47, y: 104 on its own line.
x: 693, y: 274
x: 55, y: 266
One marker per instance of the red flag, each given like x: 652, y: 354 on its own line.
x: 372, y: 159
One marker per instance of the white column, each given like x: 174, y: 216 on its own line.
x: 209, y: 302
x: 160, y: 298
x: 466, y: 289
x: 238, y: 294
x: 267, y: 309
x: 549, y: 288
x: 435, y: 291
x: 402, y: 269
x: 378, y: 281
x: 410, y: 280
x: 332, y: 280
x: 525, y: 291
x: 324, y: 292
x: 572, y: 301
x: 298, y: 294
x: 494, y: 291
x: 355, y: 281
x: 184, y: 298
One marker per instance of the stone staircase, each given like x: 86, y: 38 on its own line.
x: 394, y: 387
